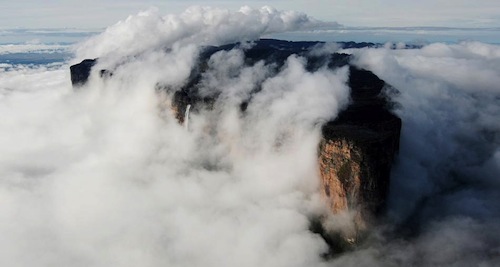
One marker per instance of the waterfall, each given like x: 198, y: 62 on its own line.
x: 186, y: 117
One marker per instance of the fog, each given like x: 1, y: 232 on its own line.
x: 445, y: 184
x: 104, y: 175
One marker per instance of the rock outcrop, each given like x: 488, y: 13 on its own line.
x: 356, y: 153
x: 357, y: 148
x: 80, y: 72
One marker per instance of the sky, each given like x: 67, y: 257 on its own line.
x: 357, y: 13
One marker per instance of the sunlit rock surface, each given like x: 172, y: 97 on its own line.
x: 357, y: 150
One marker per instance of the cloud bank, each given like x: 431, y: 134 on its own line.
x: 199, y: 25
x: 32, y: 48
x: 105, y: 176
x: 445, y: 186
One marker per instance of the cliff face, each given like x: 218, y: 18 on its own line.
x: 355, y: 169
x: 357, y: 149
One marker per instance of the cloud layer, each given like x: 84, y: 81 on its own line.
x: 445, y: 186
x: 199, y: 25
x: 105, y: 176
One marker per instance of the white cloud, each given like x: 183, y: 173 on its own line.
x: 33, y: 47
x: 200, y: 25
x: 446, y: 178
x: 96, y: 177
x: 105, y: 176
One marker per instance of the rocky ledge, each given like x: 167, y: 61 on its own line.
x: 357, y: 149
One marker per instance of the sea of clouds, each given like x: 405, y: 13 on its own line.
x: 106, y: 176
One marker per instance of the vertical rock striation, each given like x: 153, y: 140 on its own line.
x: 356, y: 152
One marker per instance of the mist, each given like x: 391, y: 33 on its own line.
x: 444, y: 186
x: 104, y: 175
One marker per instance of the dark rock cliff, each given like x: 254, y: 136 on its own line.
x: 357, y: 148
x: 80, y: 72
x: 356, y: 153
